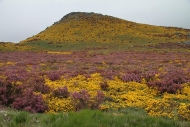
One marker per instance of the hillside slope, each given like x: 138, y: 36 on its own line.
x: 93, y: 27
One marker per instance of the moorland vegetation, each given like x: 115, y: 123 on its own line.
x: 98, y: 62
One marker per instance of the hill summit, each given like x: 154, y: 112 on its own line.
x: 93, y: 27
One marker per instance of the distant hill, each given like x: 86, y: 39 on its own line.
x: 93, y: 27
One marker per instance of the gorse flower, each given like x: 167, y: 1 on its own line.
x: 62, y: 82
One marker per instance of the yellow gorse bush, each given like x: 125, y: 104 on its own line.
x: 8, y: 46
x: 184, y: 111
x: 160, y: 107
x: 10, y: 63
x: 56, y: 104
x: 1, y: 64
x: 121, y: 94
x: 74, y: 85
x: 63, y: 53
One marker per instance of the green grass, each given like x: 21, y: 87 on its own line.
x: 129, y: 117
x: 97, y: 47
x: 72, y: 46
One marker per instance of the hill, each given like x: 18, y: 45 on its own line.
x: 93, y: 27
x: 127, y: 70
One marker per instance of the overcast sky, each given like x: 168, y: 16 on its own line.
x: 20, y: 19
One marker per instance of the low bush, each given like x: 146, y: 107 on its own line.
x: 3, y: 93
x: 82, y: 100
x: 61, y: 92
x: 135, y: 76
x: 54, y: 76
x: 30, y: 102
x: 170, y: 82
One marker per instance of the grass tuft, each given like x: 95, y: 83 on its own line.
x: 129, y: 117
